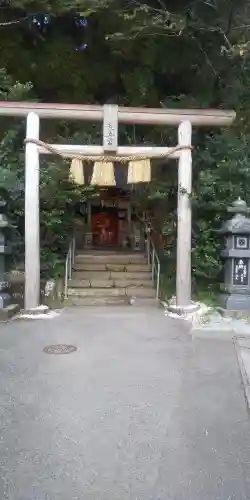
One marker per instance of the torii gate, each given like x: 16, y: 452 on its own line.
x: 183, y: 119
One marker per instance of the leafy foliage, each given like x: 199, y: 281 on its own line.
x: 58, y: 196
x: 185, y: 53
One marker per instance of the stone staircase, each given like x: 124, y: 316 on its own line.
x: 109, y: 278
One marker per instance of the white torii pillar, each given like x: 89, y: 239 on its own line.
x: 184, y: 218
x: 184, y: 302
x: 32, y: 221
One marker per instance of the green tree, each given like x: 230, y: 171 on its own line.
x: 174, y: 54
x: 59, y: 197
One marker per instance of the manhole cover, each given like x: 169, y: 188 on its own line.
x: 60, y: 349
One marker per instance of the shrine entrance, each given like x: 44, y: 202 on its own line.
x: 110, y: 152
x: 110, y: 219
x: 105, y: 227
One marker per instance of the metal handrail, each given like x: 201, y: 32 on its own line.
x: 70, y: 260
x: 153, y: 260
x: 152, y: 255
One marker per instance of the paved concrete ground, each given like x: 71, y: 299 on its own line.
x: 139, y: 412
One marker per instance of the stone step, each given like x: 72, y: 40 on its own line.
x: 109, y: 283
x: 134, y: 283
x: 113, y: 275
x: 82, y: 266
x: 112, y: 292
x: 131, y: 275
x: 80, y: 283
x: 88, y: 275
x: 111, y: 259
x: 96, y: 292
x: 111, y: 252
x: 95, y: 301
x: 140, y: 292
x: 136, y: 268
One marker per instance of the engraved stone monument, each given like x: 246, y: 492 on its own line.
x: 4, y: 250
x: 236, y: 256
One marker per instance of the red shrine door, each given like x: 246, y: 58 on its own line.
x: 105, y: 228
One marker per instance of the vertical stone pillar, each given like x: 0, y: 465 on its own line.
x: 32, y: 221
x: 184, y: 303
x: 184, y: 222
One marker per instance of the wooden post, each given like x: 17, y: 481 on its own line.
x: 184, y: 228
x: 89, y: 215
x: 32, y: 223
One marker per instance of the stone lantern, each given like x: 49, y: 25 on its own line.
x: 236, y: 256
x: 4, y: 250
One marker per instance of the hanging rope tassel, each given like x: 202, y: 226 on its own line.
x: 103, y: 174
x: 77, y: 172
x: 147, y: 171
x: 139, y: 171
